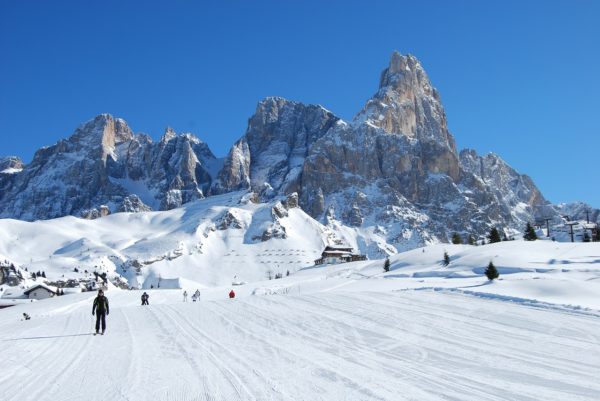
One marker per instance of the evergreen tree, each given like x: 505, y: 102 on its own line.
x: 471, y: 240
x: 386, y: 265
x: 456, y: 239
x: 446, y: 258
x: 491, y: 272
x: 44, y: 274
x: 530, y: 234
x: 494, y: 235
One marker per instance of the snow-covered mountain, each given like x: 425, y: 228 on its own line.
x: 104, y: 167
x: 391, y: 178
x: 393, y: 171
x: 207, y: 242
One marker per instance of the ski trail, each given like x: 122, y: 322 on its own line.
x: 220, y: 349
x: 325, y: 367
x: 56, y: 366
x: 234, y: 381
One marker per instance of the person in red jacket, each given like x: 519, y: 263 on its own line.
x: 231, y: 294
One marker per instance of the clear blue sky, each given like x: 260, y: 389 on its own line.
x: 519, y: 78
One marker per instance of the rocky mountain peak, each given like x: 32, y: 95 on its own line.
x: 10, y: 164
x: 407, y: 104
x: 401, y: 69
x: 168, y: 135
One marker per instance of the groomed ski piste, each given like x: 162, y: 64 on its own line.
x: 421, y: 331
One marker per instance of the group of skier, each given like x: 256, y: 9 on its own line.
x: 195, y: 296
x: 100, y: 307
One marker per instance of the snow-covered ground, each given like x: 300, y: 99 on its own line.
x: 347, y: 332
x: 422, y: 331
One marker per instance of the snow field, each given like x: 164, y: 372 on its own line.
x: 322, y: 345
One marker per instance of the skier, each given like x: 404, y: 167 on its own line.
x: 231, y: 294
x: 194, y: 297
x: 184, y: 296
x: 100, y: 306
x: 26, y: 316
x: 197, y: 294
x: 145, y: 298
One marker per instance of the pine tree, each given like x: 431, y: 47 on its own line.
x: 386, y: 265
x: 494, y: 236
x: 491, y: 272
x: 44, y: 274
x: 456, y: 239
x: 530, y: 234
x: 446, y: 258
x: 471, y: 240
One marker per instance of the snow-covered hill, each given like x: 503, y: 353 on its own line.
x: 229, y: 239
x: 351, y: 331
x: 209, y: 242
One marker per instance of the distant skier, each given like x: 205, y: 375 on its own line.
x: 184, y: 296
x: 194, y: 297
x: 197, y: 294
x: 100, y: 306
x: 26, y: 316
x: 231, y: 294
x: 145, y: 298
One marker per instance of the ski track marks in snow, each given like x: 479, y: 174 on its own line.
x: 334, y: 345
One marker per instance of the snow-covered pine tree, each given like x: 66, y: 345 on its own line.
x: 491, y: 272
x: 386, y: 265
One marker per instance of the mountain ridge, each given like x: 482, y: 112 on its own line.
x: 393, y: 170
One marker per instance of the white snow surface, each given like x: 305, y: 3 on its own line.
x: 422, y: 331
x: 322, y: 334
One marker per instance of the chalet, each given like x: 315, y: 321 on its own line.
x: 334, y: 254
x: 40, y: 291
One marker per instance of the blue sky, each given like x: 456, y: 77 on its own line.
x: 519, y: 78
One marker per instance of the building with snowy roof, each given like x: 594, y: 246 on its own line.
x: 40, y: 291
x: 334, y: 254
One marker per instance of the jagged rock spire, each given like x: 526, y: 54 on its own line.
x: 407, y: 104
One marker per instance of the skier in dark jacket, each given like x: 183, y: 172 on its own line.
x: 145, y: 298
x: 101, y: 307
x: 231, y: 294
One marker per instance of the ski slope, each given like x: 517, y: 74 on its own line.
x: 317, y: 340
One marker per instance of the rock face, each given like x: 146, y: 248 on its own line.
x: 393, y: 169
x: 103, y: 163
x: 10, y: 165
x: 275, y: 146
